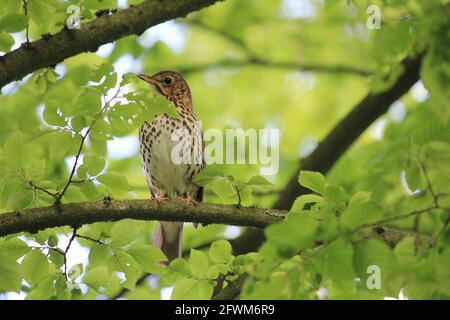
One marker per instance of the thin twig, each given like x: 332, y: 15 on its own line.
x: 90, y: 239
x: 80, y: 148
x: 428, y: 181
x: 441, y: 231
x: 25, y: 9
x: 34, y: 186
x: 48, y: 248
x: 74, y: 234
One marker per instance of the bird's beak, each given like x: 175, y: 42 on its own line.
x: 148, y: 79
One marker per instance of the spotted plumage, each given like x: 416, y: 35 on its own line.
x: 171, y: 150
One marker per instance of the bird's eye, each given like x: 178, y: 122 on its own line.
x: 168, y: 80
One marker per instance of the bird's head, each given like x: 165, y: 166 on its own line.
x: 170, y: 84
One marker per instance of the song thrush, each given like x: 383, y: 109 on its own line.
x: 169, y: 172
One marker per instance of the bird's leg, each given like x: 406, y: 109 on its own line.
x: 187, y: 200
x: 161, y: 196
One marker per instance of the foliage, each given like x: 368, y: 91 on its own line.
x: 244, y: 61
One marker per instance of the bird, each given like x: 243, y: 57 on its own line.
x: 171, y: 152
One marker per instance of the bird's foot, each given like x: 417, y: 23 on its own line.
x: 187, y: 201
x: 161, y: 197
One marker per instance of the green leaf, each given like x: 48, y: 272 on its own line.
x: 51, y: 75
x: 313, y: 180
x: 89, y: 189
x: 98, y: 254
x: 61, y: 144
x: 335, y: 262
x: 45, y: 289
x: 53, y: 118
x: 6, y: 42
x: 405, y: 250
x: 105, y: 75
x: 190, y: 289
x: 147, y: 256
x: 114, y: 181
x: 207, y: 175
x: 56, y: 257
x: 82, y: 172
x: 101, y: 280
x: 35, y: 267
x: 295, y: 233
x: 78, y: 123
x: 101, y: 130
x: 374, y: 252
x: 216, y: 269
x: 13, y: 22
x: 88, y: 102
x: 223, y: 187
x: 300, y: 202
x: 15, y: 248
x: 124, y: 262
x: 220, y: 252
x: 360, y: 214
x: 360, y: 197
x: 198, y: 263
x: 40, y: 13
x: 335, y: 195
x: 246, y: 195
x: 20, y: 198
x: 98, y: 5
x: 434, y: 74
x: 10, y: 6
x: 259, y: 181
x: 75, y: 272
x: 34, y: 169
x: 413, y: 175
x: 52, y: 241
x: 10, y: 274
x: 94, y: 164
x: 125, y: 232
x: 176, y: 270
x: 98, y: 146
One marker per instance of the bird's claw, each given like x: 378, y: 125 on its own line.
x: 160, y: 198
x: 187, y: 201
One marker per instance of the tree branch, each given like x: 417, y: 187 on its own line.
x: 232, y: 290
x: 254, y: 59
x: 264, y: 63
x: 107, y: 28
x: 76, y: 214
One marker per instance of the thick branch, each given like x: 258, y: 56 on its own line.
x: 76, y: 214
x: 67, y: 43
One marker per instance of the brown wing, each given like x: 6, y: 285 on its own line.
x: 201, y: 190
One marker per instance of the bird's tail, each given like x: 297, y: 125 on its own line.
x: 168, y: 238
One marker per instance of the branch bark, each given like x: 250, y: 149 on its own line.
x: 233, y: 289
x: 77, y: 214
x: 336, y: 143
x: 66, y: 43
